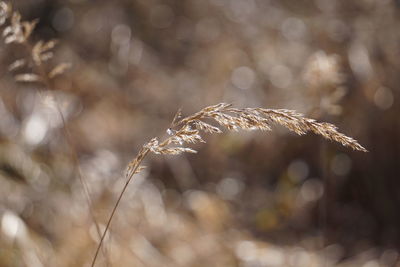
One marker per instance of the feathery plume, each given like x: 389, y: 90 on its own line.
x: 188, y: 130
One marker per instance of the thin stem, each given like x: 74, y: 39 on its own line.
x: 80, y: 176
x: 239, y: 120
x: 48, y: 84
x: 142, y: 154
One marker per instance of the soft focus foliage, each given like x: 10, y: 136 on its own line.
x: 118, y: 74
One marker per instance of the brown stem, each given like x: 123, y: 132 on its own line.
x: 142, y: 154
x: 47, y: 82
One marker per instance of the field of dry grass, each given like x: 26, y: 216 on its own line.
x: 94, y: 102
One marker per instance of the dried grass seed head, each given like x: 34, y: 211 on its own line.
x: 234, y: 119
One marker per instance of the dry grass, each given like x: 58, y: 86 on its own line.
x: 188, y: 131
x: 183, y: 131
x: 33, y: 67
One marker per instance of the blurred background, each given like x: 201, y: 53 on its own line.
x: 246, y: 199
